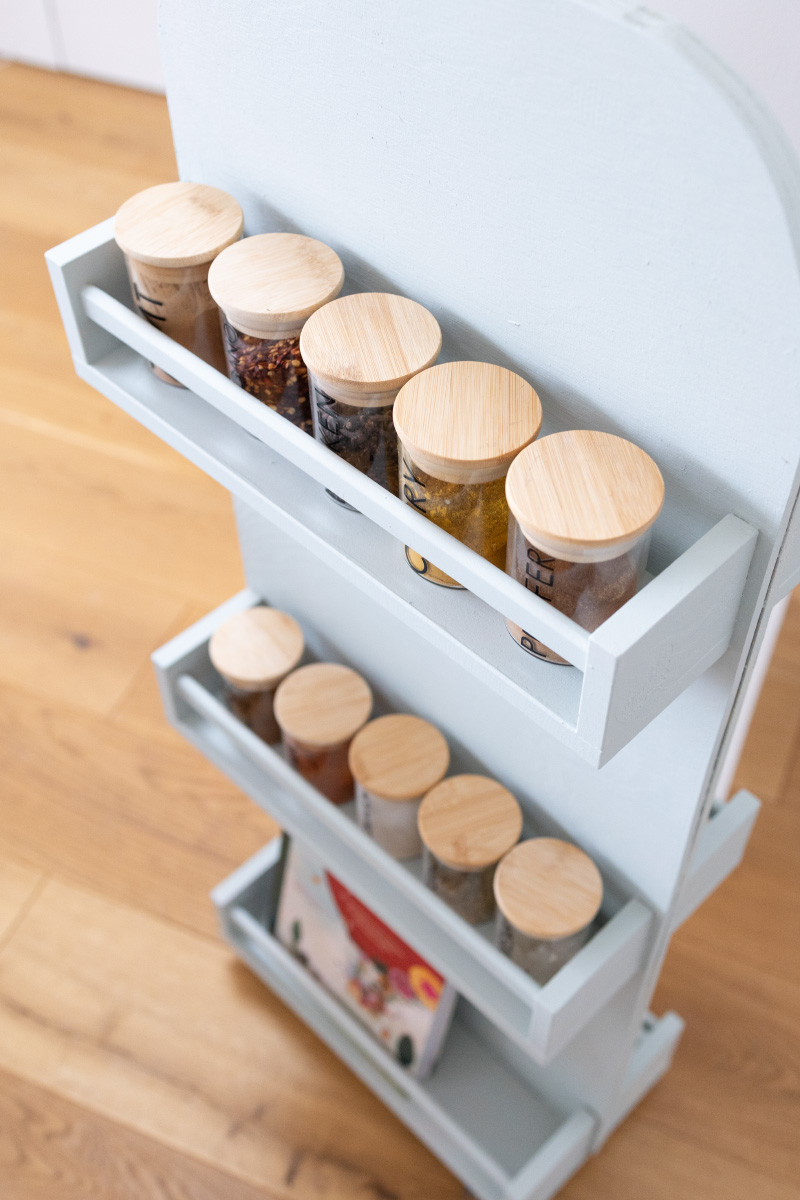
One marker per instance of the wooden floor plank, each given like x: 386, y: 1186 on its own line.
x: 51, y: 1149
x: 140, y: 819
x: 155, y: 525
x: 160, y: 1030
x: 17, y: 885
x: 70, y: 633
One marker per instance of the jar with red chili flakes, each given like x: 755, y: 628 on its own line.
x: 266, y: 290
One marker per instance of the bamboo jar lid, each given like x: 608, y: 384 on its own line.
x: 469, y: 822
x: 271, y: 283
x: 178, y: 224
x: 322, y: 704
x: 255, y: 649
x: 369, y: 343
x: 548, y: 889
x: 399, y: 757
x: 584, y: 488
x: 464, y: 422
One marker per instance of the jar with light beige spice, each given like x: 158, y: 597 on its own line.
x: 548, y: 895
x: 170, y: 235
x: 582, y: 504
x: 320, y: 708
x: 460, y: 425
x: 467, y: 823
x: 395, y: 760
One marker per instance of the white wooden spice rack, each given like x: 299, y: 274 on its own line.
x: 630, y: 245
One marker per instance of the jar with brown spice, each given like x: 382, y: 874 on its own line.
x: 395, y: 760
x: 467, y: 823
x: 581, y: 504
x: 359, y: 351
x: 548, y: 895
x: 267, y: 287
x: 169, y: 235
x: 320, y: 708
x: 253, y: 651
x: 460, y: 425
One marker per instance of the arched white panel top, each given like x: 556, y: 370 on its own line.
x: 580, y: 193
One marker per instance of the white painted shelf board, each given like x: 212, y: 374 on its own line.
x: 650, y: 1060
x: 542, y: 1019
x: 719, y: 850
x: 502, y: 1138
x: 625, y: 673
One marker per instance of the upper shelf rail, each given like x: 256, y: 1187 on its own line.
x: 633, y: 666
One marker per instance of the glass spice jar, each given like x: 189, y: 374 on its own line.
x: 253, y: 651
x: 467, y: 823
x: 548, y: 894
x: 395, y: 760
x: 360, y: 350
x: 320, y: 708
x: 266, y: 287
x: 460, y: 425
x: 169, y: 235
x: 581, y: 504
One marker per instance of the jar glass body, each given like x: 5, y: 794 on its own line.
x: 270, y: 369
x: 588, y: 589
x: 475, y: 513
x: 254, y: 709
x: 392, y: 823
x: 325, y: 767
x: 362, y: 434
x: 177, y: 301
x: 468, y: 893
x: 540, y: 958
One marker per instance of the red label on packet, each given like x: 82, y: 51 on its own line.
x: 379, y: 943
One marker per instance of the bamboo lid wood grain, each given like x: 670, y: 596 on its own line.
x: 369, y: 343
x: 399, y: 757
x: 178, y: 224
x: 469, y: 822
x: 254, y: 650
x: 584, y: 488
x: 271, y: 283
x: 322, y: 704
x: 547, y: 888
x: 464, y: 422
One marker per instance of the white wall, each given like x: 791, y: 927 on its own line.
x: 760, y: 39
x: 111, y: 39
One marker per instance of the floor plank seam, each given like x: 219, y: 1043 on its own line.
x: 25, y: 908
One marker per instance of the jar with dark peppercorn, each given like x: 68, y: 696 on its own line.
x: 467, y: 823
x: 169, y: 235
x: 253, y: 651
x: 360, y: 350
x: 460, y: 425
x: 267, y: 287
x: 320, y: 708
x: 582, y: 505
x: 548, y: 894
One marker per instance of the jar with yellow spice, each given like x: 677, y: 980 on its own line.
x: 582, y: 504
x: 460, y: 425
x: 169, y: 235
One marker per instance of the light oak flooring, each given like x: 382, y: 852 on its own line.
x: 138, y: 1060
